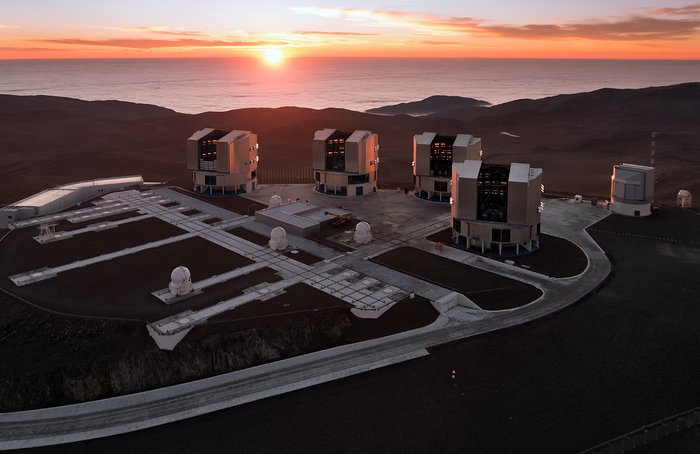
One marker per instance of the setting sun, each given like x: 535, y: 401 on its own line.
x: 273, y: 56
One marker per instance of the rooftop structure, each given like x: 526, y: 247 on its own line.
x: 631, y: 189
x: 433, y: 155
x: 345, y: 163
x: 300, y: 218
x: 496, y: 205
x: 223, y: 161
x: 65, y: 196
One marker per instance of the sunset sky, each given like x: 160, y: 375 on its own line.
x: 644, y: 29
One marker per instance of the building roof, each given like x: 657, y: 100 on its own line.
x: 464, y: 140
x: 234, y: 135
x: 201, y: 133
x: 358, y: 136
x: 468, y: 169
x: 522, y: 173
x: 633, y: 167
x: 424, y: 139
x: 302, y: 214
x: 50, y: 195
x: 519, y: 173
x: 323, y: 134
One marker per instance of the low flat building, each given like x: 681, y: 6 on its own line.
x: 631, y: 190
x: 496, y: 206
x: 223, y: 161
x: 300, y: 218
x: 433, y: 155
x: 345, y: 163
x: 65, y: 196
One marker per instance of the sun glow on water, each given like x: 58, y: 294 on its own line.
x: 273, y: 56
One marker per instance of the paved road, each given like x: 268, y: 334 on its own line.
x: 138, y: 411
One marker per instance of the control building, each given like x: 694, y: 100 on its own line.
x: 345, y: 163
x: 433, y: 155
x: 223, y: 161
x: 632, y: 190
x: 496, y: 206
x: 65, y: 196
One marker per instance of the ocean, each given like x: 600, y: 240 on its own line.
x: 199, y: 85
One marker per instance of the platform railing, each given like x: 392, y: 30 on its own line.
x: 648, y: 433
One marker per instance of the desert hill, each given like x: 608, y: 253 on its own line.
x: 45, y: 141
x: 430, y: 105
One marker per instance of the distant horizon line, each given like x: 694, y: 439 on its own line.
x: 290, y: 58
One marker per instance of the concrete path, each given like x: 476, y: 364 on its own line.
x: 160, y: 406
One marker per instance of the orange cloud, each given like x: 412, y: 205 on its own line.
x: 688, y: 10
x: 628, y: 29
x: 324, y: 33
x: 633, y: 29
x: 158, y: 43
x: 162, y: 31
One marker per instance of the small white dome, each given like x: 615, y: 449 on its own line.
x: 362, y: 227
x: 275, y: 201
x: 362, y: 233
x: 278, y: 233
x: 180, y: 274
x: 278, y: 239
x: 683, y: 193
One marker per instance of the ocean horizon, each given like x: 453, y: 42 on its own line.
x: 194, y: 85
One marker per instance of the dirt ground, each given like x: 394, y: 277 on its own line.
x: 231, y: 202
x: 255, y: 238
x: 302, y: 256
x: 121, y: 287
x: 489, y: 291
x: 300, y: 298
x: 556, y: 257
x: 623, y: 357
x: 324, y: 237
x: 49, y: 359
x: 20, y: 252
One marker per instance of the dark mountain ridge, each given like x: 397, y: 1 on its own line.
x: 45, y: 141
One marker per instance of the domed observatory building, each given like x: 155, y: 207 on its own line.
x: 345, y: 163
x: 684, y: 199
x: 223, y: 162
x: 496, y: 207
x: 433, y: 155
x: 632, y: 190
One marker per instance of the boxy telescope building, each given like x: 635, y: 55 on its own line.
x: 496, y: 206
x: 345, y: 163
x: 223, y: 161
x: 433, y: 155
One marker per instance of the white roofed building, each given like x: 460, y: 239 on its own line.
x: 65, y: 196
x: 433, y: 155
x: 496, y: 206
x: 631, y: 189
x: 345, y: 163
x: 223, y: 161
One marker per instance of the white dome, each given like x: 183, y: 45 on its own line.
x: 180, y: 281
x: 683, y: 193
x: 362, y: 233
x: 275, y: 201
x: 362, y: 227
x: 278, y: 233
x: 180, y: 274
x: 278, y: 239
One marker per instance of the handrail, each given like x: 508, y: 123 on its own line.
x: 647, y: 433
